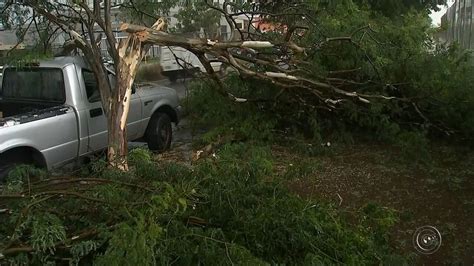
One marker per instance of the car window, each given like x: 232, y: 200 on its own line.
x: 36, y: 84
x: 92, y: 88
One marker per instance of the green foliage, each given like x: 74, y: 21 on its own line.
x: 231, y: 205
x: 414, y: 148
x: 140, y: 156
x: 192, y: 16
x: 227, y: 209
x: 20, y: 176
x: 46, y: 230
x: 397, y: 7
x: 196, y: 15
x: 134, y: 242
x: 201, y: 246
x: 226, y: 119
x: 82, y: 249
x: 20, y: 58
x: 378, y: 220
x: 301, y: 169
x: 396, y: 57
x: 275, y: 225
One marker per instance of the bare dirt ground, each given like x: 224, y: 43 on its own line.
x: 442, y: 196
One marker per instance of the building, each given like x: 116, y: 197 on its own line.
x: 9, y: 35
x: 457, y: 24
x: 8, y: 38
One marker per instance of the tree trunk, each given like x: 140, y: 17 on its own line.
x: 120, y: 105
x: 130, y: 53
x: 118, y: 148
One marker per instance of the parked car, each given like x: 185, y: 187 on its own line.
x: 51, y: 114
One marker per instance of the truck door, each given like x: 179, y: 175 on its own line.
x: 96, y: 119
x: 134, y: 116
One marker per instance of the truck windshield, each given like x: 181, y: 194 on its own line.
x: 33, y: 84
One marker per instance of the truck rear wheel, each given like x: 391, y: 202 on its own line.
x: 159, y: 132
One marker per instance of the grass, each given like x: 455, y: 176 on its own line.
x: 440, y: 194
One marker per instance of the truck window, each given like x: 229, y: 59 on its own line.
x: 92, y: 88
x: 34, y: 84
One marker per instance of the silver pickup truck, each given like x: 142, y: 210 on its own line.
x: 51, y: 114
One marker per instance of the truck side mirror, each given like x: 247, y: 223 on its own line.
x: 134, y: 89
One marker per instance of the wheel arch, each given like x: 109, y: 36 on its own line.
x: 170, y: 111
x: 24, y: 154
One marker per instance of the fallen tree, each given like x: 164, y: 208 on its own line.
x: 327, y: 62
x: 323, y: 88
x: 284, y: 58
x: 167, y: 213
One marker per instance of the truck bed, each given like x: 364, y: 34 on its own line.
x: 15, y: 108
x: 12, y: 113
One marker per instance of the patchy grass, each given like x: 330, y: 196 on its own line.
x: 441, y: 194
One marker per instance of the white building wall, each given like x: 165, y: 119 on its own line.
x: 458, y: 20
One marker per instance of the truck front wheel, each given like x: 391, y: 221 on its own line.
x: 159, y: 132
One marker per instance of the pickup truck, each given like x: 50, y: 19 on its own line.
x: 51, y: 114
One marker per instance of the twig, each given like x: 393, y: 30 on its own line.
x: 16, y: 250
x: 340, y: 199
x: 99, y: 180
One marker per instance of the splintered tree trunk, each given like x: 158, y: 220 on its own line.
x: 129, y: 57
x: 118, y: 148
x: 130, y: 52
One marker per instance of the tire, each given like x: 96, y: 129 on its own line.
x: 159, y: 132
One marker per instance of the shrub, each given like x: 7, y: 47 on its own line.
x: 414, y: 148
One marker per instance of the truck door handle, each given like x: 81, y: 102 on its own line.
x: 147, y: 102
x: 96, y: 112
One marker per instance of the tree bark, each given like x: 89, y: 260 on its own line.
x: 117, y: 136
x: 130, y: 53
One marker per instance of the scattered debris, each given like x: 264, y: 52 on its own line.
x: 33, y: 116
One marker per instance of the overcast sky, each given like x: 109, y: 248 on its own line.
x: 436, y: 16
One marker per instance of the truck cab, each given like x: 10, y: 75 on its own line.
x: 51, y: 114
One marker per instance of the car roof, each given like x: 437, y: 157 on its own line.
x: 64, y: 61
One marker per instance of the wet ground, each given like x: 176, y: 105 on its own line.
x: 182, y: 133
